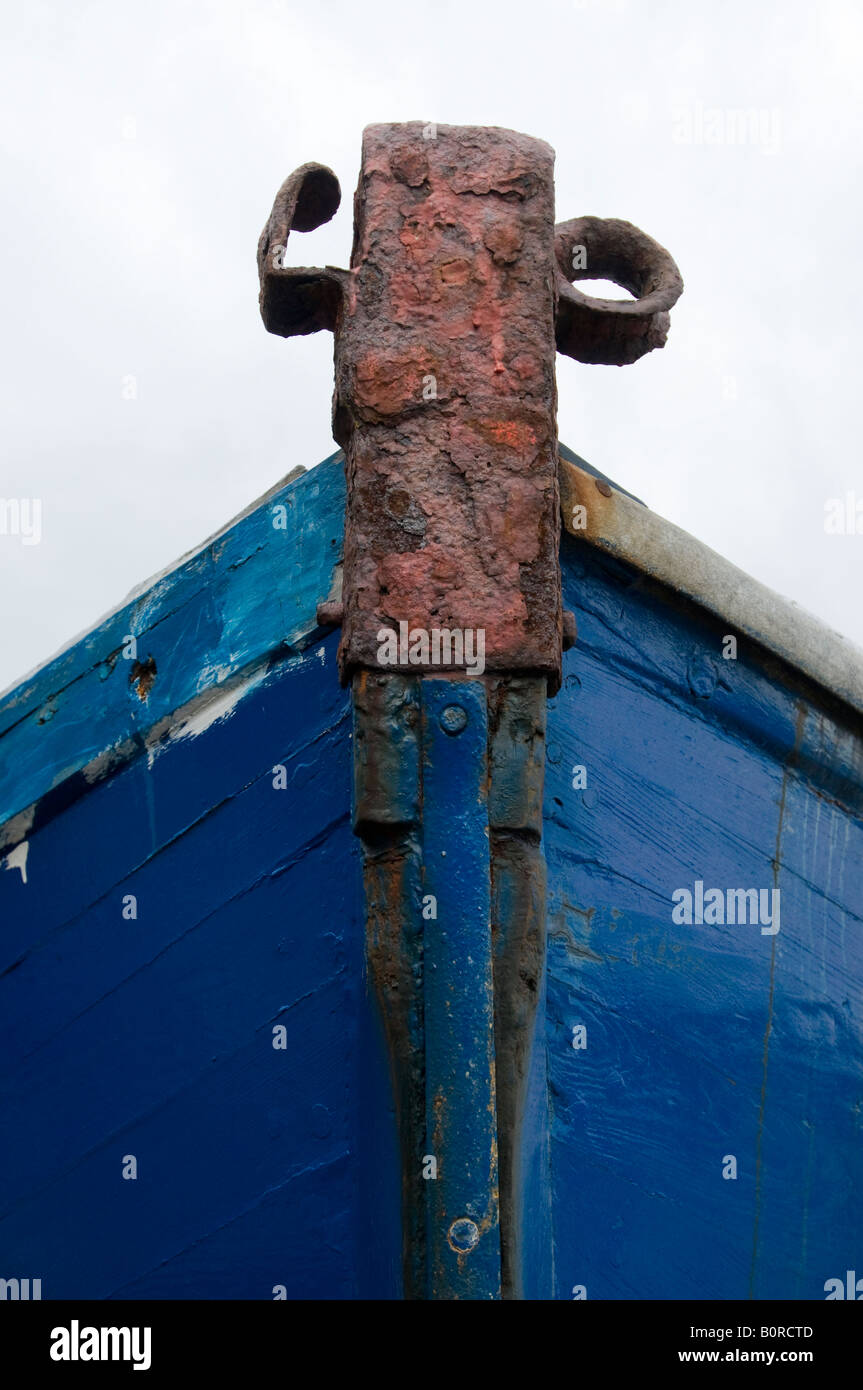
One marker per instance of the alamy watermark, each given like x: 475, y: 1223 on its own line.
x: 849, y: 1287
x: 77, y: 1343
x: 726, y: 906
x: 843, y: 516
x: 21, y: 1290
x: 21, y: 516
x: 442, y: 646
x: 696, y: 124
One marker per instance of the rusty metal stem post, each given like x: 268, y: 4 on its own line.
x: 445, y: 329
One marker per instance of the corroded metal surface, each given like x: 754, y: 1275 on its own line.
x: 451, y: 821
x: 461, y: 1107
x: 610, y: 331
x: 445, y: 396
x: 429, y: 954
x: 386, y: 816
x: 445, y: 331
x: 517, y: 709
x: 296, y: 301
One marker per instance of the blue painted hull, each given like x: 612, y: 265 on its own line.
x: 704, y: 1041
x: 224, y: 1036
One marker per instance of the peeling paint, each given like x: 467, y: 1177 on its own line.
x: 202, y: 713
x: 18, y: 859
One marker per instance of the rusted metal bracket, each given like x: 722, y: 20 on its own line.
x: 611, y: 331
x: 445, y: 331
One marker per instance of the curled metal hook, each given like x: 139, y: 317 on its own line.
x: 296, y: 300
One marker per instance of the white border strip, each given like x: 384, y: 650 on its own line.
x: 657, y: 547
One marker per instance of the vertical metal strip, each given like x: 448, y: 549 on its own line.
x: 463, y: 1237
x: 517, y: 709
x: 387, y: 818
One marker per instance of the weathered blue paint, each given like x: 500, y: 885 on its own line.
x: 258, y: 1167
x: 261, y: 1167
x: 248, y: 595
x: 463, y: 1226
x: 702, y: 1041
x: 154, y: 1037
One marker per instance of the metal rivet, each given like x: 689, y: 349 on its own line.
x: 463, y: 1235
x: 453, y: 719
x: 603, y: 488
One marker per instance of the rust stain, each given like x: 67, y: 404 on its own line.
x: 142, y: 677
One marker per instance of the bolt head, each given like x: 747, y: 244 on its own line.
x: 463, y: 1235
x: 453, y: 719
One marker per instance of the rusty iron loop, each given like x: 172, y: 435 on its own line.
x: 613, y: 332
x: 299, y: 299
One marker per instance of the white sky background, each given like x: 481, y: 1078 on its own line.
x: 143, y: 145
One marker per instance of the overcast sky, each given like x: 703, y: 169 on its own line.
x: 144, y: 143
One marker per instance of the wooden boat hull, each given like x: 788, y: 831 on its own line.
x: 182, y: 953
